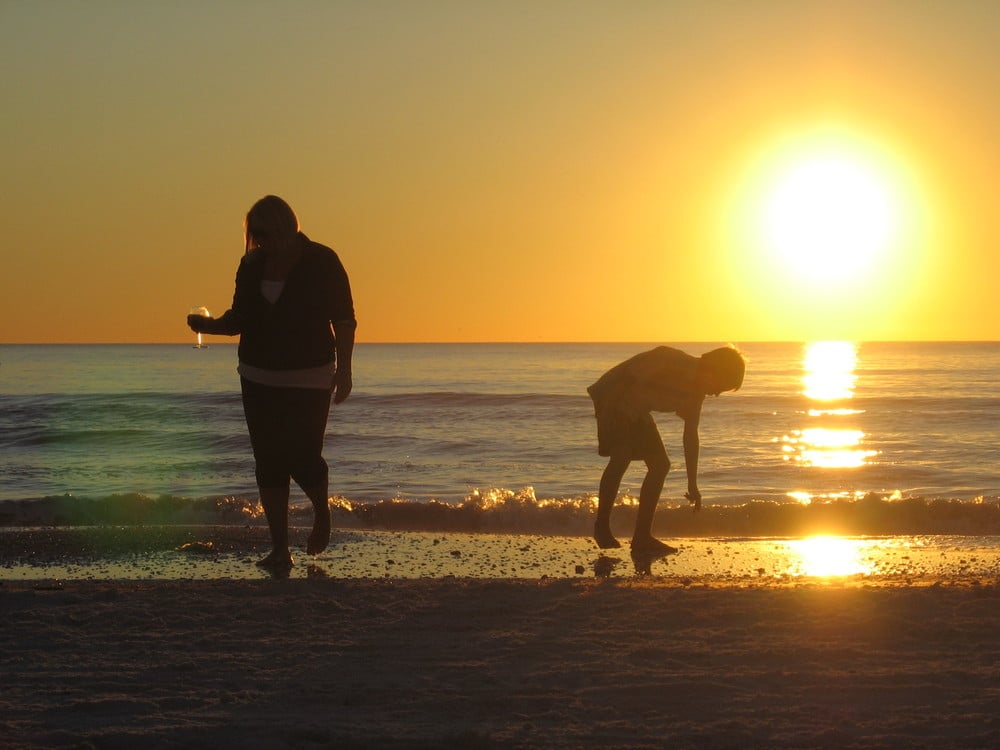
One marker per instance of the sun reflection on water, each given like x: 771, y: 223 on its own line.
x: 827, y: 448
x: 829, y: 370
x: 829, y: 556
x: 830, y: 440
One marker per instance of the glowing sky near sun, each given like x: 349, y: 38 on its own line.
x: 497, y: 171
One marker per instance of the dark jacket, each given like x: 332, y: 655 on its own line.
x: 295, y: 332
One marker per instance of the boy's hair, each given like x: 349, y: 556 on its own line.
x: 729, y: 363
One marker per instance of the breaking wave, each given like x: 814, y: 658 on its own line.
x: 503, y: 511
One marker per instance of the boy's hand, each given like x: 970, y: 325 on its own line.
x: 694, y: 497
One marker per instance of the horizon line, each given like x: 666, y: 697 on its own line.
x: 234, y: 342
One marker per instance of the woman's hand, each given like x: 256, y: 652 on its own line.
x: 341, y: 386
x: 197, y: 323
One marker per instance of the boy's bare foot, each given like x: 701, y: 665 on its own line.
x: 319, y: 538
x: 276, y: 561
x: 605, y: 539
x: 652, y: 547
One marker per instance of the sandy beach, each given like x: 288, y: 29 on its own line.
x: 453, y: 661
x: 590, y: 663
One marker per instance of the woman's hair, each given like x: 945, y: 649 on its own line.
x: 728, y: 363
x: 270, y: 221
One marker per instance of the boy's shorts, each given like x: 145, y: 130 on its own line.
x: 636, y: 440
x: 620, y: 435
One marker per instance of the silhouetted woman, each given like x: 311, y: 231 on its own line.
x: 294, y: 313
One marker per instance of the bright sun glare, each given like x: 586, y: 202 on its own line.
x: 831, y: 556
x: 828, y: 214
x: 819, y: 212
x: 829, y: 370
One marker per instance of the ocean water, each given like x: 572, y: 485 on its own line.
x: 870, y: 437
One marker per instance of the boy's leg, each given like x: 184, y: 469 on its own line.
x: 611, y: 480
x: 657, y: 467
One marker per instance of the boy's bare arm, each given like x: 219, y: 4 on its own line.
x: 692, y: 448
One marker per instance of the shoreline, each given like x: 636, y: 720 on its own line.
x: 507, y: 512
x: 207, y: 552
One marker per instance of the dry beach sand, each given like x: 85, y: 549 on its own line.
x: 457, y: 658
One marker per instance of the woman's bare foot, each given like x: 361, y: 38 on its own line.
x: 319, y: 537
x: 276, y: 561
x: 604, y: 538
x: 647, y: 545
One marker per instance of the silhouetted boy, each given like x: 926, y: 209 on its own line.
x: 664, y: 380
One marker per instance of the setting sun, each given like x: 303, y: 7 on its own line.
x: 828, y: 214
x: 824, y: 224
x: 827, y: 207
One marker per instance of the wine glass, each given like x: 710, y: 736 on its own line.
x: 203, y: 312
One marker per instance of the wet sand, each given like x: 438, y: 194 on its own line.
x: 903, y: 658
x: 229, y: 551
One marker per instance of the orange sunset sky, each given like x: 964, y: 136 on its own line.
x: 510, y: 171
